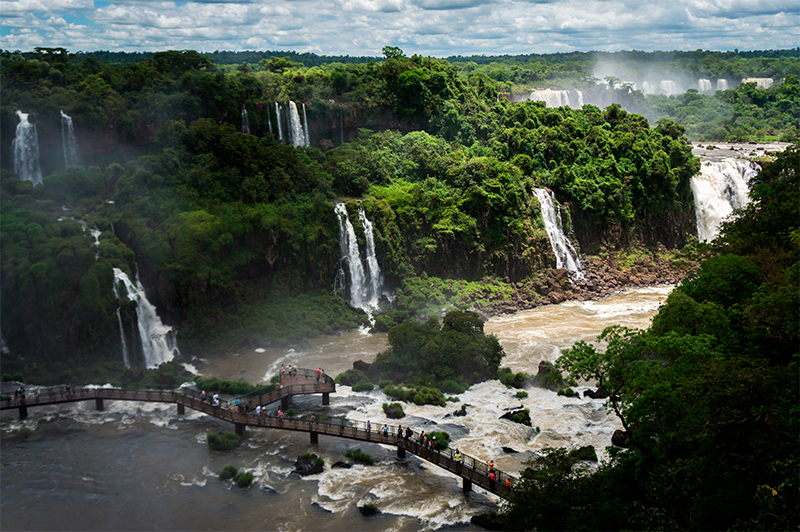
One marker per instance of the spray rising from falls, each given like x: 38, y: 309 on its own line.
x: 566, y: 256
x: 69, y: 141
x: 719, y: 189
x: 158, y: 340
x: 245, y: 121
x: 26, y: 151
x: 366, y: 286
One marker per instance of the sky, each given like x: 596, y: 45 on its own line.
x: 437, y: 28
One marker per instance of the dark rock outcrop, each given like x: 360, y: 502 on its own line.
x: 620, y: 438
x: 307, y: 465
x: 488, y: 521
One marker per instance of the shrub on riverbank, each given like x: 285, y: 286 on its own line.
x: 363, y: 386
x: 243, y: 479
x: 224, y: 442
x: 213, y: 384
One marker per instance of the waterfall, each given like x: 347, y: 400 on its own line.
x: 305, y: 128
x: 365, y: 287
x: 296, y: 135
x: 126, y: 357
x: 374, y: 271
x: 704, y: 85
x: 566, y: 256
x: 158, y: 340
x: 278, y: 117
x: 69, y: 141
x: 245, y: 121
x: 26, y: 151
x: 761, y: 83
x: 96, y: 235
x: 722, y: 84
x: 558, y: 98
x: 269, y: 119
x: 648, y: 88
x: 669, y: 87
x: 719, y: 189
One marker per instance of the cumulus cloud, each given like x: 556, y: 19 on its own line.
x: 431, y: 27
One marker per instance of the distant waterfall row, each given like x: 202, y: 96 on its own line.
x: 566, y: 256
x: 155, y: 341
x: 719, y: 189
x: 365, y: 286
x: 289, y: 124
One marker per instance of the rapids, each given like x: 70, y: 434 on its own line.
x: 139, y: 466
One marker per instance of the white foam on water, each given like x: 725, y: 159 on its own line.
x: 260, y: 350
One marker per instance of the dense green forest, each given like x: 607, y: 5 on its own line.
x: 234, y: 235
x: 708, y: 396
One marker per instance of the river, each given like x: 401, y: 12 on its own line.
x: 140, y: 466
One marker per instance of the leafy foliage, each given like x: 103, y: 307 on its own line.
x: 224, y: 442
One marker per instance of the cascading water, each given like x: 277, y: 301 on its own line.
x: 365, y: 287
x: 158, y: 340
x: 566, y: 256
x: 704, y: 85
x: 296, y: 134
x: 761, y: 83
x: 307, y: 140
x: 374, y: 271
x: 558, y: 98
x: 269, y: 119
x: 722, y: 84
x: 245, y: 121
x: 278, y: 117
x: 26, y: 151
x: 669, y: 87
x: 719, y: 189
x: 69, y: 141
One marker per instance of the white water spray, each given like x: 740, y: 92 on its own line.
x: 158, y: 340
x: 305, y: 128
x: 69, y: 141
x: 719, y: 189
x: 722, y: 84
x: 704, y: 85
x: 26, y: 151
x: 558, y: 98
x: 566, y: 256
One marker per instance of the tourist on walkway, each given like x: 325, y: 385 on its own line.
x: 203, y: 396
x: 318, y: 373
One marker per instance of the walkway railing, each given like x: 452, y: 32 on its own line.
x: 467, y: 467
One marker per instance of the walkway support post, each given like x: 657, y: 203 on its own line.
x: 239, y: 427
x: 285, y: 402
x: 401, y: 452
x: 181, y: 409
x: 467, y: 485
x: 314, y: 438
x: 326, y: 398
x: 23, y: 411
x: 98, y: 403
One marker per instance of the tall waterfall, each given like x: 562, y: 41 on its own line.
x: 365, y: 286
x: 269, y: 119
x: 722, y: 84
x: 668, y: 86
x: 761, y: 83
x: 297, y: 135
x: 278, y: 117
x: 719, y: 188
x: 558, y: 98
x: 305, y: 128
x: 704, y: 85
x: 566, y: 256
x: 245, y: 121
x: 158, y: 340
x: 26, y: 151
x: 69, y: 141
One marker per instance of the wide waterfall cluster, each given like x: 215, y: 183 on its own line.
x: 158, y: 341
x: 365, y: 284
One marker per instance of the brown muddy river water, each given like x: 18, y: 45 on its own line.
x: 139, y: 466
